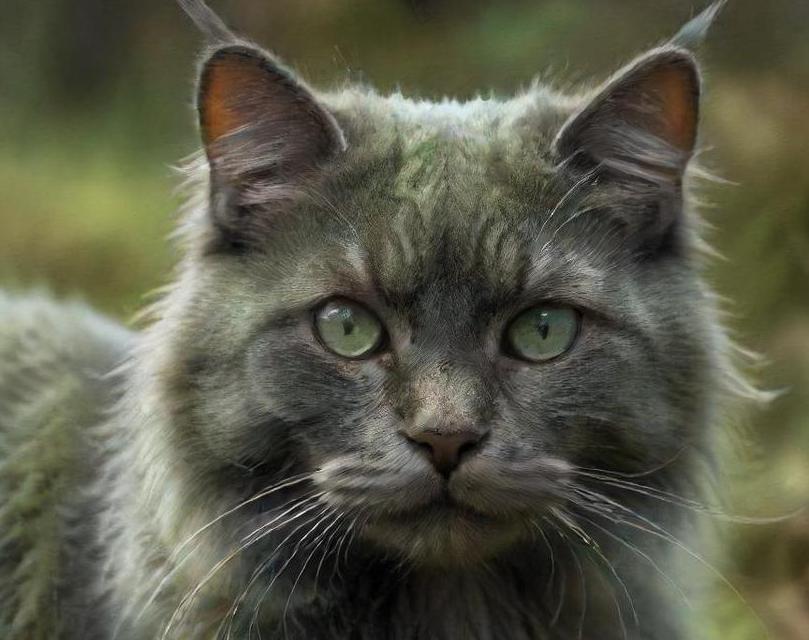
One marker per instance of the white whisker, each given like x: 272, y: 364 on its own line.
x: 320, y: 518
x: 656, y: 530
x: 316, y: 545
x: 175, y: 563
x: 185, y: 602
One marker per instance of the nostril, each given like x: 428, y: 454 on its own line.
x: 467, y: 447
x: 422, y: 446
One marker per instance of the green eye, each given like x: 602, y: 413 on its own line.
x: 542, y: 333
x: 348, y: 329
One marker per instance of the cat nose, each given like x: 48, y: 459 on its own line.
x: 444, y: 449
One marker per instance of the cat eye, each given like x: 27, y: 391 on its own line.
x: 542, y: 333
x: 348, y: 329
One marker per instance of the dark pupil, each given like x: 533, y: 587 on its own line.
x: 542, y: 327
x: 348, y: 323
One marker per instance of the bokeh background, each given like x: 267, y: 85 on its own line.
x: 95, y: 107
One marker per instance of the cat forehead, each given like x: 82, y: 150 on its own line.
x: 444, y: 225
x: 490, y: 262
x: 429, y: 152
x: 451, y: 192
x: 368, y: 116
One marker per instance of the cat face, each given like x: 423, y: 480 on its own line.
x: 443, y: 312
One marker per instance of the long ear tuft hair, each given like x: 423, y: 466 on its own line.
x: 693, y: 32
x: 214, y: 29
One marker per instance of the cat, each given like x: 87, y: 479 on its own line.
x: 427, y: 370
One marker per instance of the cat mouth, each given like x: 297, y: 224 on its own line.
x: 444, y: 532
x: 443, y: 508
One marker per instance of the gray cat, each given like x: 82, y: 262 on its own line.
x: 426, y: 371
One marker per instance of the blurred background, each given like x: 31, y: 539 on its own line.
x: 95, y: 107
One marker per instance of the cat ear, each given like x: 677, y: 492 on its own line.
x: 262, y: 129
x: 642, y: 124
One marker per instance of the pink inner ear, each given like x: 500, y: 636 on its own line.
x: 675, y: 89
x: 226, y: 79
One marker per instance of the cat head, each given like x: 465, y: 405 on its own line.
x: 441, y: 312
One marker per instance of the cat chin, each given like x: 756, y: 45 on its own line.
x: 444, y: 536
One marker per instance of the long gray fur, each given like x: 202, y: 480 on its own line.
x: 122, y: 456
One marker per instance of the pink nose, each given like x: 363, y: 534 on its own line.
x: 445, y: 449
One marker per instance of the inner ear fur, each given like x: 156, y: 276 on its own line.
x: 642, y: 122
x: 256, y: 118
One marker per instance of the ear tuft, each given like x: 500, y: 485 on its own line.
x: 643, y: 122
x: 210, y: 25
x: 693, y: 33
